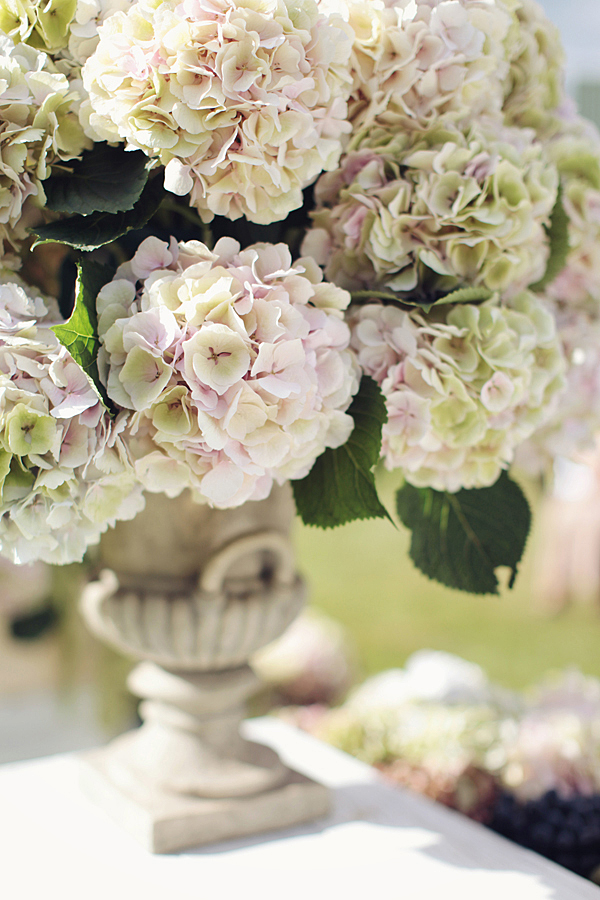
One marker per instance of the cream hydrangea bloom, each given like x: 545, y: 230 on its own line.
x: 243, y: 102
x: 43, y: 23
x: 575, y: 150
x: 534, y: 89
x: 235, y: 362
x: 439, y: 208
x: 575, y: 420
x: 84, y: 28
x: 64, y: 470
x: 38, y: 127
x: 463, y: 388
x: 416, y: 60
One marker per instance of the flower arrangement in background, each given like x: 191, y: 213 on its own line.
x: 312, y: 663
x: 526, y: 764
x: 307, y: 237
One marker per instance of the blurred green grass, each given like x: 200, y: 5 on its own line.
x: 361, y: 575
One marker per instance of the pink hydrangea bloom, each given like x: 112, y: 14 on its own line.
x: 441, y: 207
x: 462, y: 388
x: 413, y: 62
x: 243, y: 102
x: 235, y: 363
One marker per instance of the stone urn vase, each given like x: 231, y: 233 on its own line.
x: 193, y: 592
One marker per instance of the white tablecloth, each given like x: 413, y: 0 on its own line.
x: 379, y: 844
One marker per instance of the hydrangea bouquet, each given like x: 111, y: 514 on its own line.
x: 289, y: 239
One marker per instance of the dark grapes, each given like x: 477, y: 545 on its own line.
x: 566, y: 830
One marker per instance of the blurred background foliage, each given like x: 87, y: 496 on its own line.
x: 361, y: 575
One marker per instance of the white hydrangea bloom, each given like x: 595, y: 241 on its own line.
x: 38, y: 127
x: 464, y: 388
x: 243, y: 102
x: 89, y: 16
x: 442, y: 738
x: 436, y: 209
x: 236, y: 364
x: 416, y: 60
x: 64, y: 470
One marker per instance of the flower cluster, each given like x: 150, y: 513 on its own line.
x: 37, y: 128
x: 575, y: 150
x: 534, y: 88
x: 556, y: 742
x: 446, y: 719
x: 575, y: 419
x: 463, y: 390
x: 244, y: 103
x: 526, y: 765
x: 415, y: 62
x: 463, y: 208
x: 89, y: 16
x: 548, y: 739
x: 440, y: 143
x: 236, y: 364
x: 64, y: 469
x: 461, y: 134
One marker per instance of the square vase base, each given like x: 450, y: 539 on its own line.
x: 165, y: 823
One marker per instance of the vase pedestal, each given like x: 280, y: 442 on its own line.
x: 186, y: 777
x: 165, y: 822
x: 194, y: 592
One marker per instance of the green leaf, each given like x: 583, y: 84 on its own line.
x: 105, y: 179
x: 340, y: 487
x: 459, y: 539
x: 466, y: 295
x: 461, y: 295
x: 358, y: 296
x: 558, y: 238
x: 79, y: 334
x: 91, y: 232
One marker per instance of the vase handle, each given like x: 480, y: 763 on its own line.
x: 213, y: 575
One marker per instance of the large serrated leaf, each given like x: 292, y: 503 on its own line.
x: 105, y: 179
x: 340, y: 487
x: 90, y: 232
x: 558, y: 239
x: 460, y: 539
x: 79, y: 334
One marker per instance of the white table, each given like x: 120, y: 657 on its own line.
x: 379, y: 843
